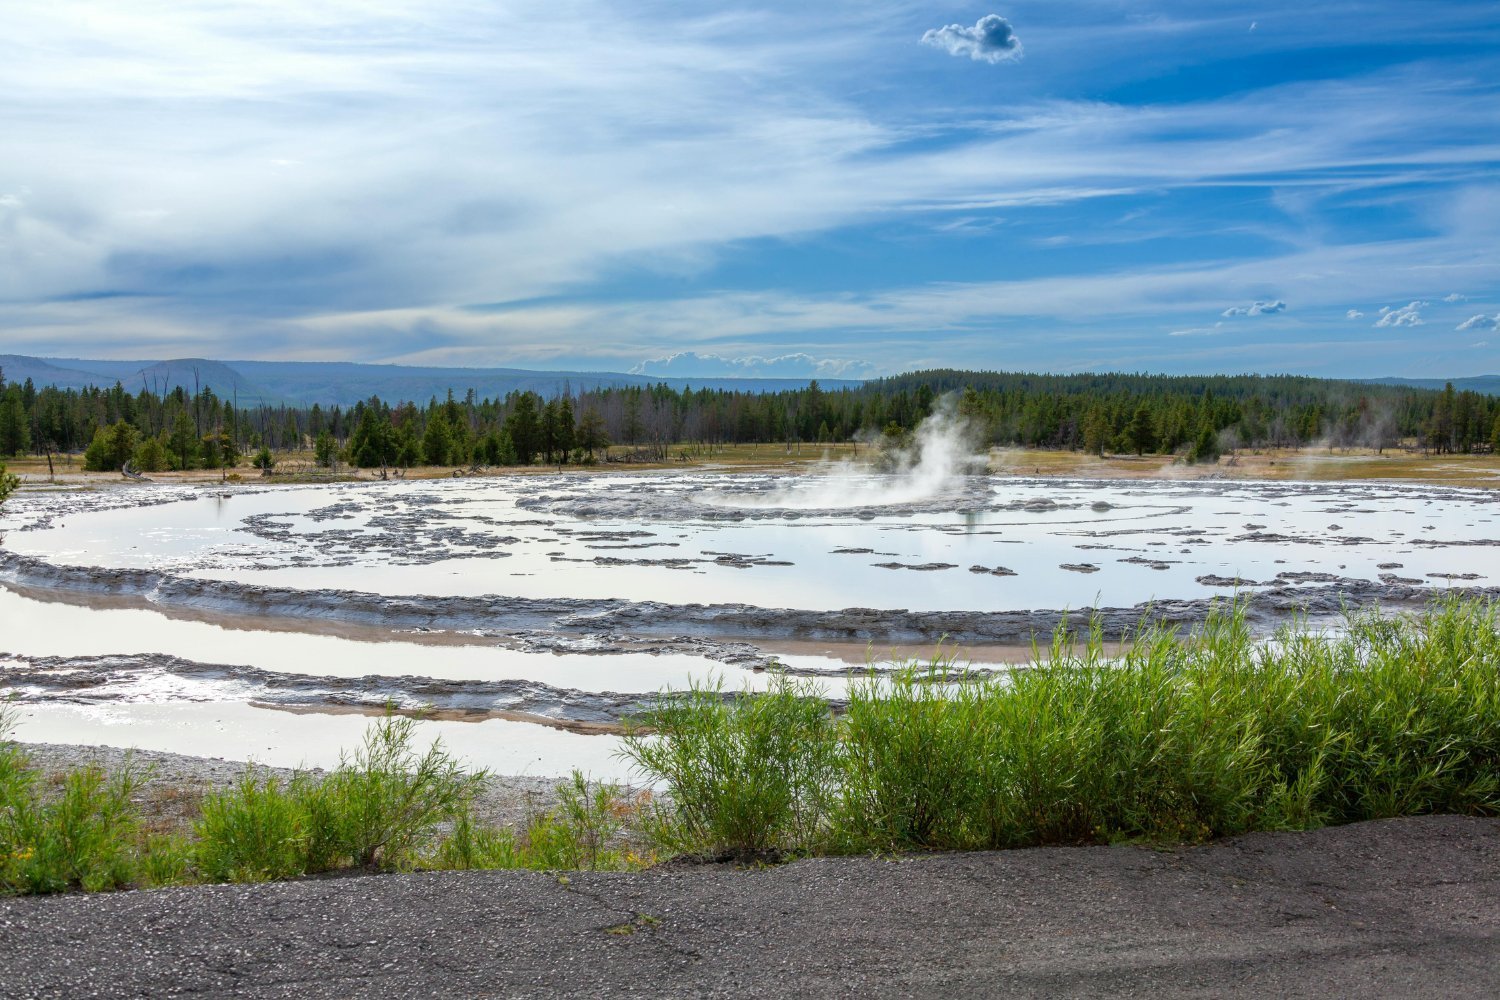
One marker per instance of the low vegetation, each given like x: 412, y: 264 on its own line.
x: 1179, y: 739
x: 386, y: 807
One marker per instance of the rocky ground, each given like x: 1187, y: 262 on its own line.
x: 1399, y: 908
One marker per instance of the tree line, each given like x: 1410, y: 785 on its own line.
x: 1197, y: 417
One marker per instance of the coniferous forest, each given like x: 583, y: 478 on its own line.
x: 1196, y: 417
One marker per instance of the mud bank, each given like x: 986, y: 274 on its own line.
x: 129, y: 678
x: 605, y: 623
x: 774, y: 497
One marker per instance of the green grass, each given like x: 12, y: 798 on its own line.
x: 1179, y: 739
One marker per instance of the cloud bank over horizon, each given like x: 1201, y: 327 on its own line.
x: 690, y: 364
x: 440, y: 183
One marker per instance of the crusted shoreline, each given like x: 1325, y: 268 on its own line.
x: 1267, y: 607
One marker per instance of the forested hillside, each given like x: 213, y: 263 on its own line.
x: 1197, y: 417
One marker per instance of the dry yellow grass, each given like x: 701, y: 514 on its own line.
x: 1312, y: 464
x: 1315, y: 464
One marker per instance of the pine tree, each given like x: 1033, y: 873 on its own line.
x: 564, y: 432
x: 325, y: 449
x: 370, y: 444
x: 1140, y: 435
x: 1206, y: 447
x: 15, y: 428
x: 183, y: 443
x: 524, y: 428
x: 437, y: 442
x: 591, y: 434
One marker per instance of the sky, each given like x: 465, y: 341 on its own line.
x: 836, y: 189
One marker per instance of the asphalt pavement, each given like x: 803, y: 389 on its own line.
x: 1398, y: 908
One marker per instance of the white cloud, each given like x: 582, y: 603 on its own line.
x: 1257, y: 308
x: 689, y: 364
x: 1455, y: 297
x: 1353, y: 314
x: 1407, y: 315
x: 341, y: 179
x: 1480, y: 322
x: 991, y: 40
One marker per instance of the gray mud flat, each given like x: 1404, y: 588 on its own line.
x: 620, y: 618
x: 1398, y: 908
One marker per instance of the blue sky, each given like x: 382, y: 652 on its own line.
x: 830, y: 189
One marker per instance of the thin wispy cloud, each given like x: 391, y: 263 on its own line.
x: 991, y: 40
x: 689, y: 364
x: 595, y: 183
x: 1480, y: 322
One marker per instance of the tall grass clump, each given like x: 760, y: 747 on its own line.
x: 587, y: 831
x: 80, y: 835
x: 750, y: 773
x: 386, y: 806
x: 384, y: 803
x: 1179, y: 738
x: 379, y: 809
x: 258, y: 830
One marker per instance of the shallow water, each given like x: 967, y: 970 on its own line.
x: 37, y: 628
x: 474, y: 537
x: 238, y: 731
x: 815, y: 544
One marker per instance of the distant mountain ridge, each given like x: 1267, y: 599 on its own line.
x: 342, y: 383
x: 1488, y: 385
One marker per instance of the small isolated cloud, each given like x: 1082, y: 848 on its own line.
x: 1455, y: 297
x: 991, y: 40
x: 1480, y: 343
x: 1257, y: 309
x: 690, y: 364
x: 1407, y: 315
x: 1353, y: 314
x: 1480, y: 322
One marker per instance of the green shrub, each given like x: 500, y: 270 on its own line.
x: 8, y: 484
x: 582, y: 833
x: 84, y: 837
x: 110, y: 448
x: 167, y: 859
x: 387, y: 801
x: 253, y: 832
x: 750, y: 775
x: 473, y: 846
x: 1176, y: 739
x: 150, y: 456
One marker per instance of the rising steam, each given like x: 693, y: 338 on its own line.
x: 929, y: 462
